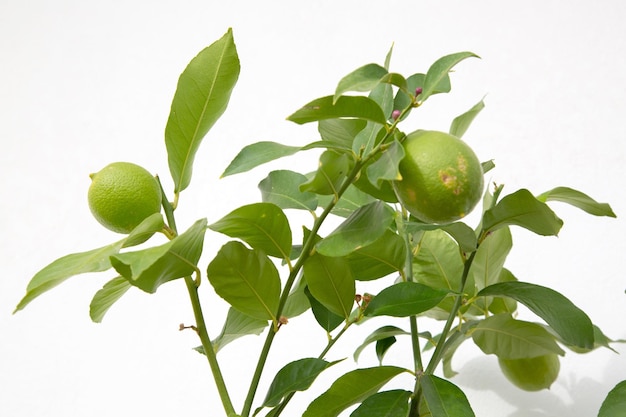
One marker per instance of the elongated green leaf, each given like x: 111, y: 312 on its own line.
x: 201, y: 97
x: 383, y: 95
x: 577, y: 199
x: 614, y: 405
x: 263, y: 226
x: 95, y: 260
x: 106, y: 297
x: 378, y: 334
x: 327, y: 320
x: 149, y: 268
x: 522, y: 209
x: 570, y: 322
x: 340, y: 131
x: 444, y: 399
x: 463, y: 234
x: 351, y: 388
x: 247, y: 279
x: 367, y: 138
x: 295, y: 376
x: 297, y: 301
x: 490, y: 258
x: 393, y: 403
x: 404, y: 299
x: 508, y: 338
x: 385, y: 168
x: 331, y: 283
x: 259, y: 153
x: 350, y: 201
x: 346, y: 106
x: 378, y: 259
x: 439, y: 70
x: 461, y: 123
x: 363, y: 227
x: 237, y: 325
x: 282, y: 188
x: 331, y: 172
x: 438, y: 264
x: 364, y: 78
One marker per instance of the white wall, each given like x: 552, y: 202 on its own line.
x: 85, y: 83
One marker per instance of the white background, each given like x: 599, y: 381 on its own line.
x: 85, y: 83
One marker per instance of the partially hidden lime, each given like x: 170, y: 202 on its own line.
x: 442, y: 178
x: 531, y: 374
x: 122, y: 195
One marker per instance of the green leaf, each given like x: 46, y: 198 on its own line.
x: 508, y: 338
x: 438, y: 264
x: 504, y: 304
x: 259, y: 153
x: 378, y: 334
x: 459, y: 231
x: 331, y: 283
x: 351, y: 388
x: 149, y: 268
x: 247, y: 279
x: 263, y: 226
x: 383, y: 95
x: 332, y: 170
x: 201, y: 97
x: 444, y: 399
x: 577, y: 199
x: 404, y: 299
x: 96, y: 260
x: 378, y: 259
x: 614, y: 405
x: 145, y: 230
x: 439, y: 70
x: 237, y: 324
x: 367, y: 138
x: 340, y: 131
x: 461, y: 123
x: 522, y: 209
x: 363, y: 227
x: 106, y: 297
x: 282, y: 188
x: 327, y: 320
x: 570, y: 322
x: 297, y: 301
x: 358, y: 107
x: 382, y: 346
x: 385, y: 168
x: 351, y: 200
x: 490, y: 257
x: 364, y: 78
x: 393, y: 403
x: 295, y: 376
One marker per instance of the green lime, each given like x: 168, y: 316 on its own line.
x: 531, y: 374
x: 442, y: 178
x: 122, y: 195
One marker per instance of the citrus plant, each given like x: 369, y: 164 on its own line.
x: 396, y: 198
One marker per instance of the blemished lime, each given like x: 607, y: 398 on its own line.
x: 122, y: 195
x: 442, y: 178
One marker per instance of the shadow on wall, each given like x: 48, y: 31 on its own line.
x: 572, y: 394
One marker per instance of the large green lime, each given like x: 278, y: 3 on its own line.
x: 442, y: 178
x: 122, y: 195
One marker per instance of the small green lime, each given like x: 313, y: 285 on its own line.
x: 122, y: 195
x: 442, y: 178
x: 531, y: 374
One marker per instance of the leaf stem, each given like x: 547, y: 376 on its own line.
x: 208, y: 346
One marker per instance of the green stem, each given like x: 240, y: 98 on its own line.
x: 439, y: 349
x: 208, y: 346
